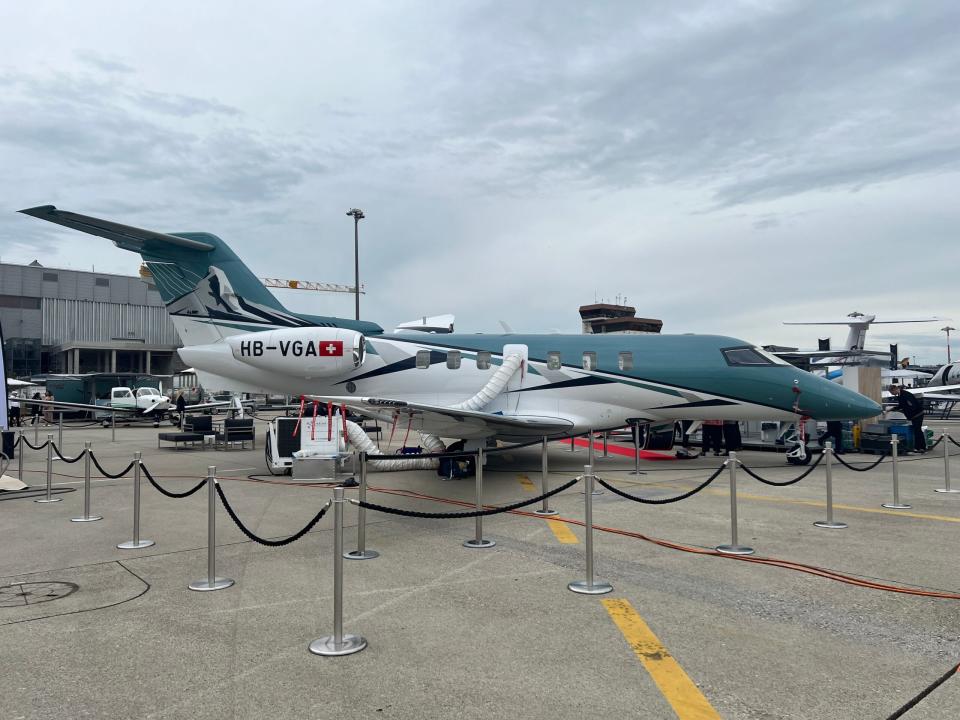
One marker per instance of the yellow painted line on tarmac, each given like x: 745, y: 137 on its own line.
x: 526, y: 482
x: 563, y: 532
x: 680, y: 691
x: 854, y: 508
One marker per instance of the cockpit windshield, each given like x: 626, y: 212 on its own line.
x: 750, y: 356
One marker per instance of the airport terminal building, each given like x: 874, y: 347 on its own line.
x: 72, y: 321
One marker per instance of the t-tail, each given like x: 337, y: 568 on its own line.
x: 209, y: 292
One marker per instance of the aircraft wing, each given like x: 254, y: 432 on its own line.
x: 77, y: 406
x: 931, y: 392
x: 452, y: 422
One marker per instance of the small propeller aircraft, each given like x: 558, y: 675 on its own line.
x: 472, y: 387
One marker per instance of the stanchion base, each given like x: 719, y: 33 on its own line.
x: 595, y: 492
x: 637, y: 472
x: 830, y: 525
x: 735, y: 549
x: 131, y: 545
x: 483, y: 543
x: 895, y: 506
x: 328, y: 647
x: 546, y: 513
x: 45, y: 500
x: 947, y: 490
x: 358, y: 555
x: 205, y: 584
x: 584, y: 588
x: 92, y: 518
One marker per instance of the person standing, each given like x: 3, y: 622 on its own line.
x: 732, y: 440
x: 712, y: 433
x: 14, y: 405
x: 834, y: 432
x: 181, y: 406
x: 912, y: 409
x: 48, y: 409
x: 35, y: 410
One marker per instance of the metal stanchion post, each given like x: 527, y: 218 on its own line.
x: 361, y: 553
x: 22, y: 448
x: 829, y: 523
x: 113, y: 427
x: 60, y: 430
x: 211, y: 582
x: 606, y: 453
x: 573, y: 444
x: 596, y: 491
x: 478, y: 541
x: 87, y: 517
x: 945, y: 439
x: 589, y: 586
x: 136, y: 543
x: 896, y: 504
x: 636, y: 450
x: 338, y: 643
x: 48, y: 498
x: 36, y: 428
x: 544, y: 477
x: 734, y: 548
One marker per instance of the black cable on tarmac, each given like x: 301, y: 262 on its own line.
x: 929, y: 689
x: 471, y: 513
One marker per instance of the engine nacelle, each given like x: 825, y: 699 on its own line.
x: 307, y: 352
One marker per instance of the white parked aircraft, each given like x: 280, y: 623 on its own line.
x: 468, y: 386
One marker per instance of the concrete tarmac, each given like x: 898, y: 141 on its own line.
x: 479, y: 633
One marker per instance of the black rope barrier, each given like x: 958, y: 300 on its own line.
x: 468, y: 514
x: 953, y: 441
x: 170, y: 493
x: 264, y: 541
x: 103, y: 472
x: 926, y: 691
x: 938, y: 441
x: 774, y: 483
x: 871, y: 466
x: 32, y: 446
x: 63, y: 457
x: 664, y: 501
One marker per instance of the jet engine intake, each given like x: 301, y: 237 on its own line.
x: 304, y: 352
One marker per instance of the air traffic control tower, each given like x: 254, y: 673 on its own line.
x: 605, y: 318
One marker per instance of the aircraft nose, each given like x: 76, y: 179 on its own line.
x: 831, y: 401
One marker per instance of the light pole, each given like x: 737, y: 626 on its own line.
x: 357, y: 215
x: 947, y: 330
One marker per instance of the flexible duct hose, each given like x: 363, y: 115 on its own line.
x: 362, y: 442
x: 488, y: 392
x: 432, y: 443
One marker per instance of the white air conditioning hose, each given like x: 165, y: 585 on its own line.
x: 488, y: 392
x: 362, y: 442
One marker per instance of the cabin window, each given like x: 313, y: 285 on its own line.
x: 423, y: 359
x: 744, y: 356
x: 589, y: 360
x: 625, y: 361
x: 553, y: 360
x: 483, y: 360
x: 453, y: 359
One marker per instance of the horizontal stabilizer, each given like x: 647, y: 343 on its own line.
x: 125, y: 236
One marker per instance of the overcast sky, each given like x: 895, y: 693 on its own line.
x: 724, y: 166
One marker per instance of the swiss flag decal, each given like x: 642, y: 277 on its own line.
x: 330, y: 348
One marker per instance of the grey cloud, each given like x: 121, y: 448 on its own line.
x: 756, y: 103
x: 102, y: 62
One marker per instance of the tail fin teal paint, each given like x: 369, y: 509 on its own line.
x: 209, y: 292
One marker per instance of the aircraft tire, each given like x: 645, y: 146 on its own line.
x: 799, y: 461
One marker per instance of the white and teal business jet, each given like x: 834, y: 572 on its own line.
x: 468, y: 386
